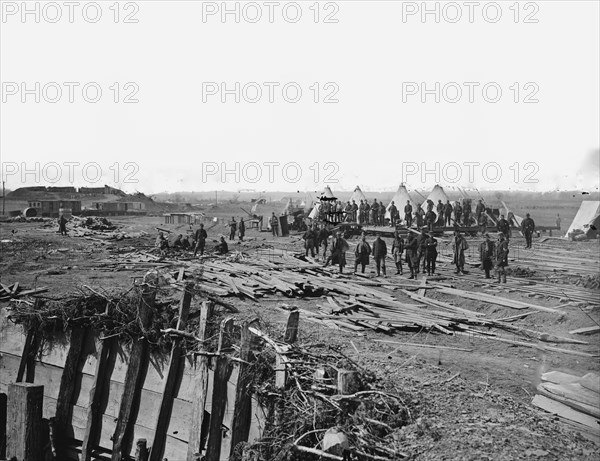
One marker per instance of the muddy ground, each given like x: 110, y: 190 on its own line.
x: 483, y: 413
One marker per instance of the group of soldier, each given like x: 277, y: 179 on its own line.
x: 195, y: 242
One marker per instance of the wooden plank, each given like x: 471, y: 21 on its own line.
x: 291, y: 330
x: 585, y: 331
x: 24, y: 437
x: 223, y: 370
x: 98, y: 396
x: 562, y: 410
x: 134, y: 380
x: 558, y: 377
x: 243, y: 403
x: 431, y: 346
x: 68, y: 385
x: 30, y: 350
x: 574, y: 391
x: 591, y: 410
x: 173, y: 377
x: 200, y: 389
x: 591, y: 381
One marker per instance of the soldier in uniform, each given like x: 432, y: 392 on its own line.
x: 528, y: 228
x: 379, y: 253
x: 361, y: 254
x: 411, y: 255
x: 361, y: 212
x: 354, y: 211
x: 459, y: 246
x: 448, y: 213
x: 467, y: 212
x: 242, y: 229
x: 430, y: 219
x: 480, y: 208
x: 419, y: 216
x: 375, y: 213
x: 309, y: 241
x: 393, y: 214
x: 483, y: 221
x: 232, y: 228
x: 408, y: 210
x: 200, y: 238
x: 397, y: 250
x: 421, y: 259
x: 431, y: 254
x: 486, y: 255
x: 275, y: 225
x: 501, y: 258
x: 457, y: 212
x: 503, y: 227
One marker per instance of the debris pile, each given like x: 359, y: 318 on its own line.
x: 8, y: 292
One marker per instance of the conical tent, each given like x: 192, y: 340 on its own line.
x: 314, y: 214
x: 399, y: 199
x: 357, y: 196
x: 327, y: 194
x: 587, y: 219
x: 436, y: 194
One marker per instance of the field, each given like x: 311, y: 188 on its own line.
x: 466, y: 405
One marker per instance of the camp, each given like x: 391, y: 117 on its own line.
x: 586, y: 221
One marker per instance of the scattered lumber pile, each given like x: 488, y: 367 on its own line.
x: 573, y: 399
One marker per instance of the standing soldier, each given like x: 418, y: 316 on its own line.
x: 375, y: 212
x: 430, y: 219
x: 232, y: 228
x: 486, y: 253
x: 309, y: 241
x: 348, y: 212
x: 457, y: 212
x: 354, y: 211
x: 558, y: 221
x: 381, y: 214
x: 397, y: 250
x: 479, y: 209
x: 338, y: 252
x: 431, y: 254
x: 242, y: 229
x: 393, y: 214
x: 503, y: 227
x: 419, y: 216
x: 200, y: 238
x: 448, y: 213
x: 421, y: 260
x: 411, y: 255
x: 459, y: 246
x: 467, y: 212
x: 408, y: 210
x: 323, y: 239
x: 361, y: 254
x: 528, y: 227
x: 361, y: 212
x: 379, y: 253
x: 440, y: 213
x: 274, y: 225
x: 501, y: 258
x: 62, y: 225
x: 367, y: 213
x: 483, y: 222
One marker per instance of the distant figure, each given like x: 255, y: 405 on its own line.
x: 419, y: 217
x: 421, y: 259
x: 62, y: 225
x: 503, y: 227
x: 467, y: 213
x: 480, y: 208
x: 430, y: 219
x: 486, y: 254
x: 310, y: 238
x: 338, y: 252
x: 200, y: 238
x: 459, y: 246
x: 411, y: 255
x: 397, y: 250
x: 232, y: 228
x: 501, y: 258
x: 361, y: 254
x: 367, y: 213
x: 457, y: 213
x: 379, y: 254
x: 375, y: 213
x: 354, y: 211
x: 393, y: 214
x: 361, y: 212
x: 558, y: 222
x: 348, y: 212
x: 440, y: 213
x: 431, y: 254
x: 322, y: 239
x: 185, y: 243
x: 448, y: 213
x: 274, y: 225
x: 528, y: 228
x: 242, y: 229
x: 408, y: 210
x: 483, y: 222
x: 222, y: 247
x: 162, y: 244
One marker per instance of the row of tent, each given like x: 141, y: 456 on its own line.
x: 400, y: 198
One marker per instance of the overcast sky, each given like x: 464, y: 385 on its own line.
x: 374, y: 61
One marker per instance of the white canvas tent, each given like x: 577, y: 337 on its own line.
x: 314, y: 214
x: 327, y: 194
x: 436, y: 194
x: 399, y: 199
x: 358, y: 195
x: 587, y: 219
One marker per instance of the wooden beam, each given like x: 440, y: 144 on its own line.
x: 68, y: 385
x: 200, y: 389
x: 242, y: 408
x: 223, y: 369
x: 134, y: 380
x: 24, y: 426
x: 30, y: 350
x: 173, y: 377
x: 98, y: 396
x: 291, y: 330
x: 585, y: 331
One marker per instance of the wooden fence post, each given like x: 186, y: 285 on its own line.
x: 25, y: 403
x: 173, y: 377
x: 291, y: 330
x: 223, y: 369
x: 141, y: 450
x: 242, y: 408
x: 200, y: 389
x: 134, y: 378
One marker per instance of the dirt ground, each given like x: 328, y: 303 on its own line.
x: 484, y: 412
